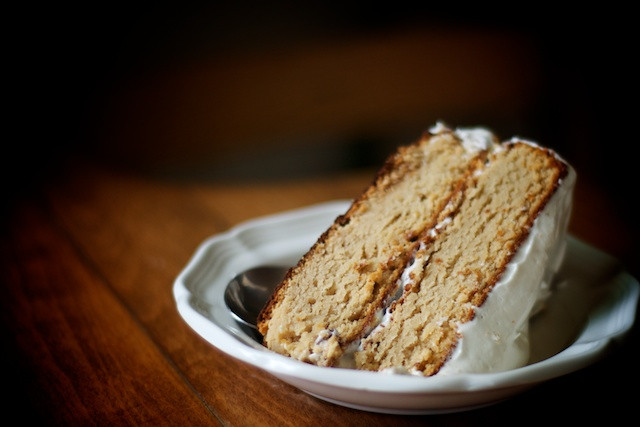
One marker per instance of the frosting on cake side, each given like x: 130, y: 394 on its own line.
x: 489, y: 342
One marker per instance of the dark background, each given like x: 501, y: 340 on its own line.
x: 239, y: 92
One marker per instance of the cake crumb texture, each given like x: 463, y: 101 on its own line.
x: 456, y: 216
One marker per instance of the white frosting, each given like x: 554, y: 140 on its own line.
x: 400, y: 370
x: 439, y: 127
x: 476, y: 139
x: 473, y: 139
x: 435, y: 230
x: 515, y: 139
x: 498, y: 337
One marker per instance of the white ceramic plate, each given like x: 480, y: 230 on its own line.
x: 595, y: 303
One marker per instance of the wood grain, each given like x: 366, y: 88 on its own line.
x: 94, y: 336
x: 81, y: 357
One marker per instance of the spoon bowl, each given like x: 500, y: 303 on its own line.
x: 248, y: 292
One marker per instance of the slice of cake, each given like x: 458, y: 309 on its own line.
x: 436, y: 267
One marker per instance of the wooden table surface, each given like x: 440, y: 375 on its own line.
x: 92, y: 335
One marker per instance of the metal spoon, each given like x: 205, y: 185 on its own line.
x: 248, y: 292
